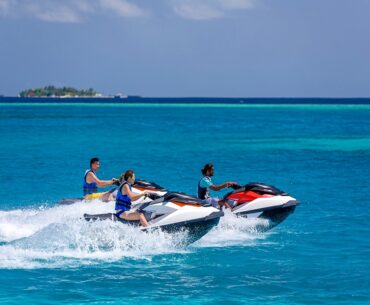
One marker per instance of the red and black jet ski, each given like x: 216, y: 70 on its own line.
x: 261, y: 200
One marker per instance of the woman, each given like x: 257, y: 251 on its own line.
x: 124, y: 198
x: 205, y: 184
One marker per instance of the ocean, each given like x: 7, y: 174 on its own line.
x: 320, y: 154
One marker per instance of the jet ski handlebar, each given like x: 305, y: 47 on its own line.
x: 154, y: 196
x: 116, y: 182
x: 235, y: 186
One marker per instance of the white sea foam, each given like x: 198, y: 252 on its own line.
x: 235, y: 231
x: 52, y: 237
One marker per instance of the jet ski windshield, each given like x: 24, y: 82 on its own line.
x: 259, y: 188
x: 149, y: 185
x: 173, y: 196
x: 182, y: 197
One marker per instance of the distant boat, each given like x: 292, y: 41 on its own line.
x: 120, y: 95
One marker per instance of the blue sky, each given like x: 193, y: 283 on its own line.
x: 226, y: 48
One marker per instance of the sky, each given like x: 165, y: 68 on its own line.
x: 205, y: 48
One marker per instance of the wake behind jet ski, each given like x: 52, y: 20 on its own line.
x: 171, y: 213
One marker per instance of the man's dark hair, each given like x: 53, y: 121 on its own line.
x: 206, y: 167
x: 93, y: 160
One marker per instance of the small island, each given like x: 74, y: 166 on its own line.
x: 52, y: 91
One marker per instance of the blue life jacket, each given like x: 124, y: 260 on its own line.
x: 89, y: 188
x: 203, y: 192
x: 123, y: 202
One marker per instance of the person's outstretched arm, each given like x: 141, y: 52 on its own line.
x: 101, y: 183
x: 132, y: 195
x: 221, y: 186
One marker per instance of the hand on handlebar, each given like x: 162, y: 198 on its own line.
x: 115, y: 181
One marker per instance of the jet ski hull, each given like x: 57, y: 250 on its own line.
x: 195, y: 228
x: 274, y: 215
x: 257, y: 200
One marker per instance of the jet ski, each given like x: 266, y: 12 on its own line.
x: 253, y: 200
x: 261, y: 200
x: 171, y: 212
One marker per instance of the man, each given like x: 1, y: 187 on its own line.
x: 205, y: 184
x: 92, y: 182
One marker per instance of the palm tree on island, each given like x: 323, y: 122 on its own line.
x: 52, y: 91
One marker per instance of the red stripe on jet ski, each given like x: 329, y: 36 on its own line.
x: 181, y: 204
x: 145, y: 189
x: 247, y: 196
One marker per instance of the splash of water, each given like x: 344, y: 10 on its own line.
x: 235, y: 231
x: 52, y: 237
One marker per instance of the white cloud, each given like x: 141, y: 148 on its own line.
x: 54, y: 12
x: 123, y: 8
x: 6, y: 6
x: 85, y: 6
x: 69, y: 11
x: 72, y: 11
x: 208, y: 9
x: 237, y: 4
x: 197, y: 11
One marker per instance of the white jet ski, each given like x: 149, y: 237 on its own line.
x: 170, y: 212
x: 253, y: 200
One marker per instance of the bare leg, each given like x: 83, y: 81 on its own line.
x: 135, y: 216
x: 105, y: 197
x: 143, y: 221
x: 224, y: 203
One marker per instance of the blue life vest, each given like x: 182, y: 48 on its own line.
x: 123, y: 202
x: 203, y: 192
x: 89, y: 188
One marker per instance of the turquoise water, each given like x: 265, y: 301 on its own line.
x: 319, y: 154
